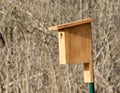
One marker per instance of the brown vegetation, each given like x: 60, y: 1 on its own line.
x: 29, y: 52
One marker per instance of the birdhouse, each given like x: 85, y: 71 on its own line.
x: 75, y: 44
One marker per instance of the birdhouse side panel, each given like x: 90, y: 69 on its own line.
x: 78, y: 44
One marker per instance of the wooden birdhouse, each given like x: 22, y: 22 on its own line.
x: 75, y: 44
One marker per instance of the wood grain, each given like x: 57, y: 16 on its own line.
x: 71, y: 24
x: 62, y: 49
x: 88, y: 72
x: 77, y: 44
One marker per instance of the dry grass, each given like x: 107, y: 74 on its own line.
x: 29, y: 52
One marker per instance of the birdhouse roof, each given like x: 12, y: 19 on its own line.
x: 71, y: 24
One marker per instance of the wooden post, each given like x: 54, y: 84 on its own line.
x: 75, y: 45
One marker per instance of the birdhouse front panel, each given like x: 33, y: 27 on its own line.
x: 75, y: 44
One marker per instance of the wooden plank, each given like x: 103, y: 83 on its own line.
x: 88, y: 73
x: 78, y: 44
x: 62, y: 49
x: 88, y: 67
x: 75, y: 46
x: 71, y: 24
